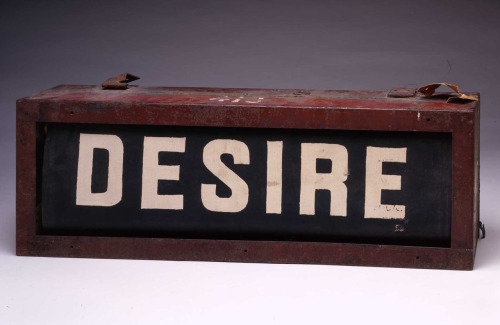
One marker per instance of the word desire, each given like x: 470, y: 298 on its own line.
x: 310, y: 179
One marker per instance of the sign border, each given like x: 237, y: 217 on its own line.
x: 461, y: 121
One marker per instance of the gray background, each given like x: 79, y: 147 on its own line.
x: 370, y: 45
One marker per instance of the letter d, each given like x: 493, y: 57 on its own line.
x: 114, y: 146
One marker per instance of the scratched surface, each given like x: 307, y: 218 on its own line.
x: 358, y: 111
x: 248, y: 97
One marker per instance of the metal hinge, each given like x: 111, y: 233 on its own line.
x: 119, y: 82
x: 402, y: 92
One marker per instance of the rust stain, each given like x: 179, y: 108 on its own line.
x: 430, y: 89
x: 320, y: 109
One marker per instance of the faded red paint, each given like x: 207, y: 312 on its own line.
x: 314, y: 109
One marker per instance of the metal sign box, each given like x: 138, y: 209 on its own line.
x: 248, y: 175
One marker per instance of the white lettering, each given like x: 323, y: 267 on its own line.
x: 310, y: 180
x: 113, y: 194
x: 152, y: 172
x: 239, y: 189
x: 274, y: 176
x: 376, y: 182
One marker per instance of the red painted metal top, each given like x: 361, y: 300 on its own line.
x: 234, y: 97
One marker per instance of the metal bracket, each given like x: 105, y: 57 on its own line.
x: 482, y: 229
x: 402, y: 92
x: 119, y: 82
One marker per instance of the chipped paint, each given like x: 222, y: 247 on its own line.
x: 361, y: 110
x: 249, y: 100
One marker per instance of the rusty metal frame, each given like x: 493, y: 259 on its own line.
x: 362, y: 114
